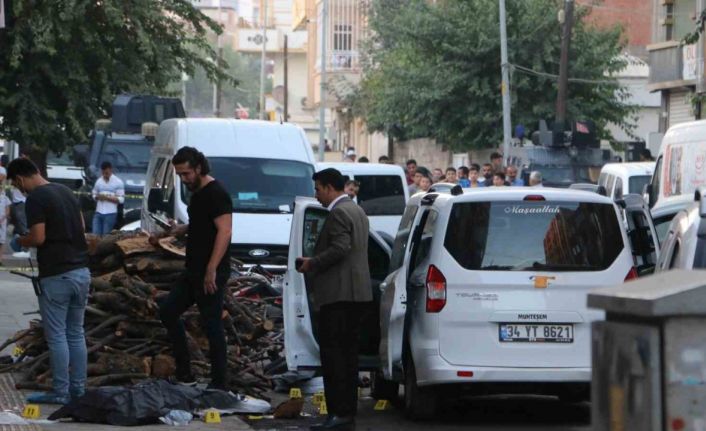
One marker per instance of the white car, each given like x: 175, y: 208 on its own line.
x: 684, y: 245
x: 625, y: 178
x: 487, y: 292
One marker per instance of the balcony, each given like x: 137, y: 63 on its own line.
x: 672, y: 65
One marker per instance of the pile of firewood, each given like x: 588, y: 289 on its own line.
x: 127, y: 342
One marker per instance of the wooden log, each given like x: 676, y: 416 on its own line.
x: 135, y: 245
x: 154, y: 265
x: 163, y: 366
x: 123, y: 363
x: 173, y: 246
x: 18, y: 336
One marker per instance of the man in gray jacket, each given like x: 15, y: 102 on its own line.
x: 338, y: 277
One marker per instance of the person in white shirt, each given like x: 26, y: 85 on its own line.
x: 108, y: 192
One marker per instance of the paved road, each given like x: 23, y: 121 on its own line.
x: 481, y: 413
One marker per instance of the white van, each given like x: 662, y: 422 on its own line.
x: 620, y: 179
x: 679, y: 172
x: 383, y: 193
x: 263, y: 165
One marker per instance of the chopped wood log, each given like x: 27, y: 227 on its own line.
x: 122, y: 363
x: 173, y: 246
x: 135, y: 245
x: 151, y: 265
x: 163, y: 366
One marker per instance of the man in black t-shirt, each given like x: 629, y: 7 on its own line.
x: 207, y: 266
x: 56, y: 229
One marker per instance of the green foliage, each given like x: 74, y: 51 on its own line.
x: 693, y: 36
x: 63, y: 61
x: 433, y: 70
x: 246, y: 69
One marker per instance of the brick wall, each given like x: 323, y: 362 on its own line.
x: 634, y: 15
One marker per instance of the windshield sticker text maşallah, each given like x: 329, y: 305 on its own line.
x: 546, y: 209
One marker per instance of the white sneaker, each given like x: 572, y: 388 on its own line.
x: 21, y: 254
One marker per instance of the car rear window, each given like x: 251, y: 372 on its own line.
x: 381, y: 194
x: 534, y: 235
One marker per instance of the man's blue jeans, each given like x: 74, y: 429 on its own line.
x: 103, y: 224
x: 62, y: 305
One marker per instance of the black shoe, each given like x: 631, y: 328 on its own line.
x: 335, y: 423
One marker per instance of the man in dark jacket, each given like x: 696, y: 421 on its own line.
x: 339, y: 279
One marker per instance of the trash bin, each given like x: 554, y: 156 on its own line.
x: 649, y: 355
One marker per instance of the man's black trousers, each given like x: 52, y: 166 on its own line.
x: 339, y: 329
x: 187, y: 291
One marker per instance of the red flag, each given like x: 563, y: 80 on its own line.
x: 582, y: 128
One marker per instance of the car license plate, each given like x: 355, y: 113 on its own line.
x: 536, y: 333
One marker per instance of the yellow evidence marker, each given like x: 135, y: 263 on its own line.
x: 322, y: 408
x: 295, y: 393
x: 17, y: 351
x: 212, y: 417
x: 31, y: 411
x: 318, y: 398
x: 381, y: 405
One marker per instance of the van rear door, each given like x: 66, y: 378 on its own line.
x: 517, y: 276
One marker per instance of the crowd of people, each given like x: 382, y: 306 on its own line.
x: 421, y: 179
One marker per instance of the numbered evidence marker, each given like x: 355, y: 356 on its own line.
x: 318, y: 398
x: 381, y: 405
x: 31, y: 411
x: 322, y: 408
x: 17, y: 351
x: 212, y: 417
x: 295, y: 393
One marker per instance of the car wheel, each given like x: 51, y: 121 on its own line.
x: 419, y: 402
x: 381, y: 388
x: 575, y: 394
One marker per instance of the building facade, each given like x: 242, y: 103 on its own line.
x: 676, y: 70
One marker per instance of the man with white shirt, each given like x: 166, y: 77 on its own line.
x: 108, y: 192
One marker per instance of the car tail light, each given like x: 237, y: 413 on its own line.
x: 436, y: 290
x: 464, y: 373
x: 632, y: 274
x: 534, y: 198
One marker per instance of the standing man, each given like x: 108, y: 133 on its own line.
x: 108, y: 192
x: 511, y: 177
x: 411, y: 169
x: 57, y: 231
x: 496, y: 160
x: 535, y: 179
x: 207, y: 266
x: 487, y: 174
x: 339, y: 277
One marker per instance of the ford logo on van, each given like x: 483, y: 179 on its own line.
x: 258, y: 252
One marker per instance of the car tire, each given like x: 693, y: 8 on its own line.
x: 419, y: 402
x: 383, y: 389
x: 575, y: 394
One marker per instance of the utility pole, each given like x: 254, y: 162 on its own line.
x: 217, y: 83
x: 505, y: 66
x: 322, y: 102
x: 286, y: 78
x: 700, y: 46
x: 563, y: 93
x: 263, y: 59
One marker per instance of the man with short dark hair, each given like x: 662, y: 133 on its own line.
x: 451, y: 175
x: 56, y: 229
x: 384, y: 159
x: 499, y: 179
x: 646, y: 155
x: 363, y: 160
x: 487, y: 174
x: 463, y: 180
x: 411, y: 169
x: 473, y: 175
x: 496, y: 160
x: 108, y: 192
x: 352, y: 187
x: 511, y: 177
x: 338, y: 282
x: 207, y: 266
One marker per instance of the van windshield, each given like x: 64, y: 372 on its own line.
x: 64, y: 159
x: 127, y: 156
x: 261, y: 185
x: 527, y: 236
x: 381, y: 194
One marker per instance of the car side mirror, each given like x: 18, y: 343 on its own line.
x: 155, y: 201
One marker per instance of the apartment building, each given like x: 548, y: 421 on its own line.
x: 676, y: 70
